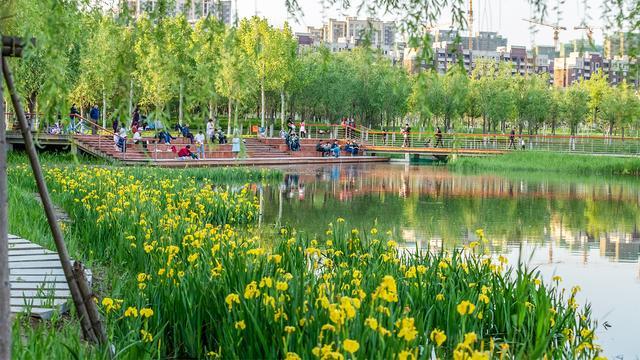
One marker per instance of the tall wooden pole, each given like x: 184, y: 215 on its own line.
x: 5, y: 286
x: 65, y: 261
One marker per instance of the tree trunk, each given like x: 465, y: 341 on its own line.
x: 611, y: 128
x: 5, y: 285
x: 210, y: 113
x: 553, y: 127
x: 262, y: 101
x: 229, y: 117
x: 31, y: 101
x: 130, y: 96
x: 104, y: 109
x: 180, y: 105
x: 282, y: 108
x: 235, y: 119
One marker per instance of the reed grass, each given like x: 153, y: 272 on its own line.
x: 527, y: 161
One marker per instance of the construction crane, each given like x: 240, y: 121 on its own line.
x: 607, y: 40
x: 589, y: 30
x: 556, y: 30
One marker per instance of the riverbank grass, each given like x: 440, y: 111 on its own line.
x: 188, y: 275
x: 551, y: 162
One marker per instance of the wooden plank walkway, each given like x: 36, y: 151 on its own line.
x: 432, y: 150
x: 257, y: 161
x: 38, y: 285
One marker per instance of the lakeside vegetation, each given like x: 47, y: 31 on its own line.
x: 178, y: 72
x: 550, y: 162
x: 185, y: 273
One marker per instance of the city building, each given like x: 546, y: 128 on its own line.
x: 192, y: 9
x: 482, y: 41
x: 346, y: 34
x: 576, y: 66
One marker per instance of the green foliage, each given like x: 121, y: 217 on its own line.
x: 529, y: 161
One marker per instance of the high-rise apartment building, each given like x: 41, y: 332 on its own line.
x: 576, y: 66
x: 346, y: 34
x: 482, y: 41
x: 191, y: 9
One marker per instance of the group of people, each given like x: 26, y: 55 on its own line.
x: 406, y: 137
x: 350, y: 125
x: 291, y: 128
x: 332, y: 148
x: 215, y: 134
x: 291, y: 138
x: 512, y: 140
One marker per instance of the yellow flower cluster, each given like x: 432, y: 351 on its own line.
x: 197, y: 264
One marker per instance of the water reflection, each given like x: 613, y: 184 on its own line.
x: 583, y: 228
x: 433, y: 207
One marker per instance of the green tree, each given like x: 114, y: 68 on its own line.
x: 253, y: 37
x: 597, y: 86
x: 206, y: 43
x: 533, y: 101
x: 575, y: 106
x: 236, y: 78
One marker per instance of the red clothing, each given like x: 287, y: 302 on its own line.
x: 184, y: 152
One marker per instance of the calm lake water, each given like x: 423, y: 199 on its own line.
x: 585, y: 229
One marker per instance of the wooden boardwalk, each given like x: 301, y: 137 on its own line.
x: 432, y: 151
x: 38, y: 285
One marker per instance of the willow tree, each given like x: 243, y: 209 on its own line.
x: 206, y: 44
x: 98, y: 78
x: 236, y: 78
x: 154, y: 70
x: 252, y: 35
x: 177, y: 37
x: 280, y: 53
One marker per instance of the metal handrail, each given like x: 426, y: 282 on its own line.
x: 108, y: 131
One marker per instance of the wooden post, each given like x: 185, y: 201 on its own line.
x: 65, y: 261
x: 5, y: 286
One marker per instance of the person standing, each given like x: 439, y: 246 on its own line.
x: 74, y: 115
x: 512, y: 139
x: 94, y: 115
x: 211, y: 130
x: 438, y: 137
x: 135, y: 117
x: 115, y: 124
x: 406, y: 132
x: 235, y: 146
x: 199, y: 139
x: 303, y: 129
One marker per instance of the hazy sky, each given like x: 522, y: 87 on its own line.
x: 504, y: 16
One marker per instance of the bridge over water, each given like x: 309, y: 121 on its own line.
x: 376, y: 141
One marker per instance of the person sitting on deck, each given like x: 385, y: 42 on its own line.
x: 323, y: 148
x: 335, y: 148
x: 165, y: 136
x: 294, y: 142
x: 186, y: 133
x: 137, y: 138
x: 121, y: 140
x: 352, y: 148
x: 185, y: 153
x: 222, y: 138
